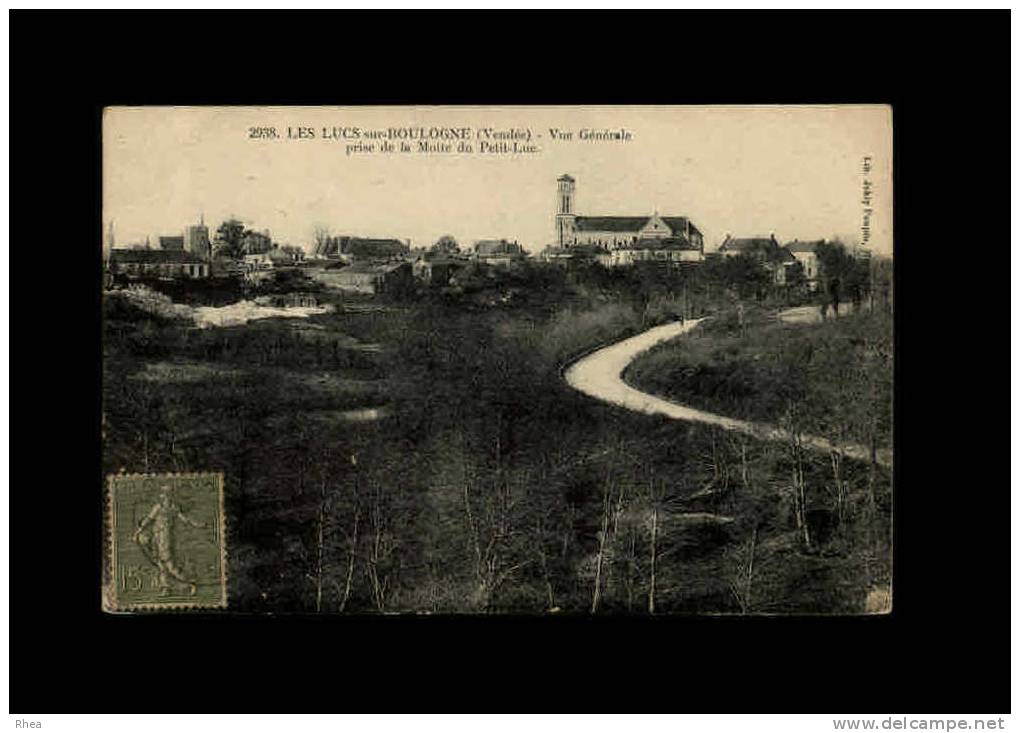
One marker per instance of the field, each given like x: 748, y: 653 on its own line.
x: 425, y: 455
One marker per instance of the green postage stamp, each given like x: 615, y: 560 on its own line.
x: 166, y: 542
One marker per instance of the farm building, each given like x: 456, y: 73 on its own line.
x: 158, y: 263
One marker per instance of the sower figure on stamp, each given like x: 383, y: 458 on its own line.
x: 158, y: 544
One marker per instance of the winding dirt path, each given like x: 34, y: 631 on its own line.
x: 600, y: 375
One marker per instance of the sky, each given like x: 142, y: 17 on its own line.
x: 792, y: 171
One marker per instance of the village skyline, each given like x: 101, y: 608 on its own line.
x: 765, y: 171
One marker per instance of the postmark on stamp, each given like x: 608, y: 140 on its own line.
x: 166, y: 543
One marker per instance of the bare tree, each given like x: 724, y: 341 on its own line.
x: 446, y: 244
x: 799, y: 488
x: 321, y: 235
x: 490, y: 534
x: 604, y: 539
x: 717, y: 463
x: 653, y: 554
x: 320, y: 544
x: 382, y: 545
x: 543, y: 559
x: 741, y: 584
x: 841, y: 486
x: 655, y: 500
x: 632, y: 566
x: 796, y: 454
x: 352, y: 547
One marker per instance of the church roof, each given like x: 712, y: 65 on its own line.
x: 609, y: 223
x: 657, y: 243
x: 171, y: 242
x: 677, y: 224
x: 566, y: 177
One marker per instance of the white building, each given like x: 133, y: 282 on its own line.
x: 806, y: 254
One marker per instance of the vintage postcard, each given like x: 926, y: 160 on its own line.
x: 498, y: 360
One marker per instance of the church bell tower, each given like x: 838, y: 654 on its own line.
x: 565, y: 211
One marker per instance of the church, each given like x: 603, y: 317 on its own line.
x: 623, y: 240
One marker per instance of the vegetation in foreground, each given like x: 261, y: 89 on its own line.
x: 490, y: 486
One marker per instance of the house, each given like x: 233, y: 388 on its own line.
x: 434, y: 268
x: 361, y: 249
x: 158, y: 263
x: 259, y: 267
x: 171, y: 243
x: 766, y: 250
x: 256, y: 242
x: 267, y: 260
x: 629, y: 235
x: 498, y: 252
x: 667, y: 250
x: 806, y: 253
x: 554, y: 255
x: 223, y: 266
x: 289, y: 255
x: 367, y: 278
x: 575, y: 254
x: 196, y: 240
x: 781, y: 264
x: 260, y: 261
x: 761, y: 248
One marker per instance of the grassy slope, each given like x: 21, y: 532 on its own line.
x: 837, y: 374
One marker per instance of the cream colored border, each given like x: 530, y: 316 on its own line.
x: 109, y: 591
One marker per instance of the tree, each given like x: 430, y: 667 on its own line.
x: 743, y: 273
x: 742, y: 582
x: 880, y: 283
x: 446, y: 244
x: 322, y: 237
x: 843, y: 275
x: 295, y: 253
x: 795, y: 278
x: 229, y: 239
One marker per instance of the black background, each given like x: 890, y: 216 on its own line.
x: 946, y: 645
